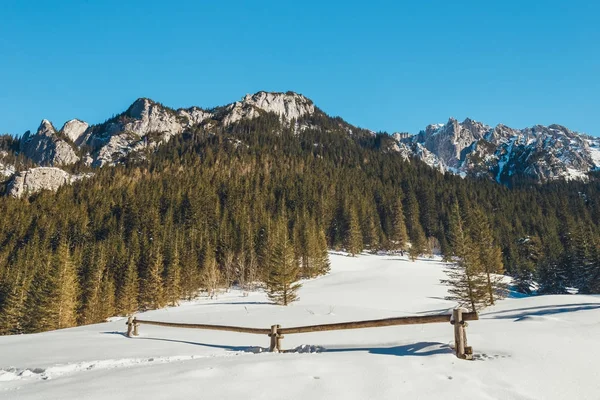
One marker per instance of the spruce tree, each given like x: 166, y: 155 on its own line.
x: 66, y: 287
x: 489, y: 254
x: 211, y: 276
x: 528, y: 256
x: 320, y: 257
x: 552, y: 275
x: 418, y: 242
x: 152, y: 289
x: 173, y: 277
x: 281, y: 283
x: 107, y: 297
x: 354, y: 241
x: 399, y: 234
x: 127, y: 303
x: 94, y: 267
x: 11, y: 308
x: 466, y: 279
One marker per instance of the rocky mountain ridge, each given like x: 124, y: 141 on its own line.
x: 468, y: 148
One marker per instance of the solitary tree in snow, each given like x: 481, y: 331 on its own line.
x: 466, y: 278
x: 490, y: 256
x: 284, y: 271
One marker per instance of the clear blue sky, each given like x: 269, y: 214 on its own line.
x: 393, y: 66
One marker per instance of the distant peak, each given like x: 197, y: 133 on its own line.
x: 46, y: 128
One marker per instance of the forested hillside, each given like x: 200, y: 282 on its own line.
x: 203, y: 209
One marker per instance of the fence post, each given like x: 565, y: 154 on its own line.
x: 278, y: 340
x: 135, y: 327
x: 459, y: 338
x: 129, y: 325
x: 273, y: 335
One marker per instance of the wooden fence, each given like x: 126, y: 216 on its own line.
x: 458, y: 318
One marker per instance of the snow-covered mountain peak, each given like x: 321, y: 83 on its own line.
x: 542, y: 153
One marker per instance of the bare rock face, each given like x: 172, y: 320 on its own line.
x: 42, y: 178
x: 117, y: 148
x: 145, y: 123
x: 6, y: 169
x: 46, y: 148
x: 287, y: 105
x: 448, y: 142
x: 73, y: 129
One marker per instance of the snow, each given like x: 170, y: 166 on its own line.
x: 540, y: 347
x: 595, y: 153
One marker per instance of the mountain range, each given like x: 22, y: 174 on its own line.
x: 469, y: 148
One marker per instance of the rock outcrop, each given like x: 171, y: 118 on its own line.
x: 42, y: 178
x: 74, y: 129
x: 145, y: 123
x: 46, y: 148
x: 287, y: 105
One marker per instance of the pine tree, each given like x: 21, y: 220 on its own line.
x: 528, y: 256
x: 152, y: 289
x: 91, y: 298
x: 128, y: 295
x: 418, y: 242
x: 320, y: 257
x: 372, y: 233
x: 490, y: 255
x: 354, y: 241
x: 551, y: 274
x: 211, y: 276
x: 107, y: 297
x: 66, y: 287
x: 465, y: 273
x: 40, y: 314
x: 399, y: 235
x: 11, y: 309
x: 173, y: 277
x: 584, y: 255
x: 281, y: 284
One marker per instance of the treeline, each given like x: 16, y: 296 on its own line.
x: 203, y: 211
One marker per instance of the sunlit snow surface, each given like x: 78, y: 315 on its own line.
x: 543, y: 347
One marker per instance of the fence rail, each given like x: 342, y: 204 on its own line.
x: 276, y: 332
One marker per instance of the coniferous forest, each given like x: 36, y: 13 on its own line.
x: 261, y: 203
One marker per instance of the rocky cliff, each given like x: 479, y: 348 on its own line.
x: 42, y: 178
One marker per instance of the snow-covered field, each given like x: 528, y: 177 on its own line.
x: 525, y: 348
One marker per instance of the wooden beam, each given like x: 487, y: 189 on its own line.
x: 424, y: 319
x: 257, y: 331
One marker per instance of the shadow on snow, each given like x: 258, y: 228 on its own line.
x: 520, y: 314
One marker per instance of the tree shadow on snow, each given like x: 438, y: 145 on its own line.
x: 420, y: 349
x: 520, y: 314
x: 232, y: 303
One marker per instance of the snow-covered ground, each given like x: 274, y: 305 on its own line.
x: 544, y: 347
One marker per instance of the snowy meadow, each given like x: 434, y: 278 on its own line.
x: 538, y: 347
